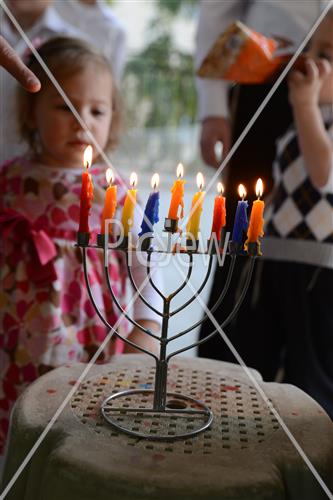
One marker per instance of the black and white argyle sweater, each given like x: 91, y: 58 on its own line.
x: 299, y: 217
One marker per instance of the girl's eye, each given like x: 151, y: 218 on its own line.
x: 97, y: 112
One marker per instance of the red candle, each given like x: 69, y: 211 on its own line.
x: 110, y: 204
x: 219, y: 216
x: 87, y: 192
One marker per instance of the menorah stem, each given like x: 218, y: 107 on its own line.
x: 161, y: 374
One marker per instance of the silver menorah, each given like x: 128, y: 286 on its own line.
x: 146, y: 402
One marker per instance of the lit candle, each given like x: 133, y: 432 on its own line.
x: 87, y: 191
x: 256, y: 219
x: 177, y: 191
x: 219, y: 216
x: 241, y: 221
x: 128, y: 210
x: 151, y: 210
x: 192, y: 227
x: 110, y: 203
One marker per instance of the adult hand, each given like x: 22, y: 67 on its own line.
x: 214, y: 129
x: 15, y: 66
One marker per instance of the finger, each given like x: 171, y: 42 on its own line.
x: 324, y: 67
x: 296, y: 77
x: 312, y: 71
x: 14, y: 65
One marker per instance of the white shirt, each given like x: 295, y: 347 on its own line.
x: 98, y: 22
x: 291, y: 19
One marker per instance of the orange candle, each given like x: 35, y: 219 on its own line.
x: 219, y: 215
x: 256, y: 224
x: 128, y: 210
x: 87, y: 192
x: 177, y: 191
x: 110, y: 203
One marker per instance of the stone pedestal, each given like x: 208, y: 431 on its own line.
x: 245, y: 455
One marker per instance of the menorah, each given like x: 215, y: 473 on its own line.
x: 159, y: 400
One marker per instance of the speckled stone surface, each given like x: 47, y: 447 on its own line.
x: 245, y: 455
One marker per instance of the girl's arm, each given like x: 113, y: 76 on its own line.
x: 315, y: 143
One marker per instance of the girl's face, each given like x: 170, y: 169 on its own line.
x: 62, y: 139
x: 322, y: 46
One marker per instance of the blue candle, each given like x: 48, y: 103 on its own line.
x: 241, y: 221
x: 151, y: 210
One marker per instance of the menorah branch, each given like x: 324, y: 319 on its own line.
x: 214, y: 307
x: 227, y: 320
x: 122, y: 310
x: 137, y: 290
x: 149, y: 254
x: 197, y: 292
x: 100, y: 315
x: 189, y: 273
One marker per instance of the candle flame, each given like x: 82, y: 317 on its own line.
x: 180, y: 170
x: 155, y: 180
x: 200, y: 180
x: 259, y: 188
x: 133, y: 179
x: 109, y: 176
x: 242, y: 191
x: 220, y: 188
x: 87, y: 156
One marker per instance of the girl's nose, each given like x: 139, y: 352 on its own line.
x: 83, y: 122
x: 78, y: 122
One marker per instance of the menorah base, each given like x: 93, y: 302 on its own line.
x: 183, y: 417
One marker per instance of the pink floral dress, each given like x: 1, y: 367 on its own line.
x: 46, y: 316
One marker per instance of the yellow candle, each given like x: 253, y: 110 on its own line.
x: 192, y: 227
x: 110, y: 203
x: 128, y: 210
x: 256, y: 224
x: 177, y: 191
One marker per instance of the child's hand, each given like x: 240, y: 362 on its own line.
x: 304, y: 88
x: 142, y: 339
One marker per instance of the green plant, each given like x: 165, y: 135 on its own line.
x: 158, y: 83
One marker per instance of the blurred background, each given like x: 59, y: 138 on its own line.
x: 158, y: 85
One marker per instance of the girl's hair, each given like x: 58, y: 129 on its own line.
x: 64, y: 56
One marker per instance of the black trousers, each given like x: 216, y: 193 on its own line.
x: 253, y: 159
x: 287, y: 321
